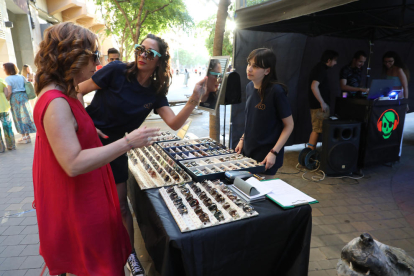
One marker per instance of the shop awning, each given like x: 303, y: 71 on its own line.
x: 275, y: 11
x: 364, y: 19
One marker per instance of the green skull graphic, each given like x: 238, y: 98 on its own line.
x: 387, y: 124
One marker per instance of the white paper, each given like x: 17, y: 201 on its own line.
x: 285, y: 194
x: 260, y: 186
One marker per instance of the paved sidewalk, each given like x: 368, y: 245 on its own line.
x: 381, y: 204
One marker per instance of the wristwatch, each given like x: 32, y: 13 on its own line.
x: 274, y: 152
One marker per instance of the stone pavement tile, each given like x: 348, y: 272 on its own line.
x: 328, y: 211
x: 11, y: 221
x: 14, y: 207
x: 326, y: 264
x: 29, y: 221
x: 28, y: 199
x: 32, y: 262
x: 314, y: 266
x: 316, y: 255
x: 403, y: 244
x: 328, y: 220
x: 393, y: 223
x: 318, y: 230
x: 318, y: 273
x: 12, y: 251
x: 332, y: 251
x: 316, y: 212
x: 353, y: 202
x: 346, y: 238
x: 330, y: 229
x: 30, y: 229
x: 380, y: 235
x: 374, y: 215
x: 316, y: 241
x: 13, y: 240
x: 30, y: 239
x: 12, y: 263
x: 409, y: 231
x: 19, y: 272
x: 27, y: 206
x: 377, y: 224
x: 361, y: 226
x: 333, y: 239
x: 13, y: 230
x: 33, y: 272
x: 15, y: 189
x: 388, y: 206
x: 345, y: 227
x: 331, y: 272
x: 356, y: 209
x: 370, y: 208
x: 14, y: 200
x: 2, y: 229
x: 30, y: 250
x: 397, y: 234
x: 358, y: 217
x: 17, y: 194
x: 342, y: 209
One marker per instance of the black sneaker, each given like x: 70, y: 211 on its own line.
x: 134, y: 265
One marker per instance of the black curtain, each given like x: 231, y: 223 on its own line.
x: 296, y: 55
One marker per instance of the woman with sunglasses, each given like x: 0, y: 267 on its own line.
x: 209, y: 99
x: 127, y: 93
x: 269, y: 121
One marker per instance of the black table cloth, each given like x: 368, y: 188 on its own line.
x: 277, y: 242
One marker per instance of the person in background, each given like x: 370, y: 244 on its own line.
x: 20, y: 107
x: 113, y: 54
x: 27, y: 72
x: 186, y: 77
x: 5, y: 119
x: 319, y: 94
x: 394, y: 68
x: 351, y: 74
x: 213, y: 82
x: 127, y: 93
x: 77, y: 207
x: 269, y: 120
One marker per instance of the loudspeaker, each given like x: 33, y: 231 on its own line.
x: 340, y: 147
x: 231, y: 89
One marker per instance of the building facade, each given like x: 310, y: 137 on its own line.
x: 22, y: 23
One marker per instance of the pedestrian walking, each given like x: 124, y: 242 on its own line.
x: 5, y: 119
x: 19, y: 102
x: 186, y: 77
x: 28, y: 73
x: 77, y: 207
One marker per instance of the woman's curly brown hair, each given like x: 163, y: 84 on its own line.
x: 161, y: 78
x: 64, y: 51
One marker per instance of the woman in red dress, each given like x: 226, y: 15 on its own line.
x: 77, y: 207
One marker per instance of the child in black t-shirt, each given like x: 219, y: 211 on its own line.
x: 319, y: 94
x: 269, y: 121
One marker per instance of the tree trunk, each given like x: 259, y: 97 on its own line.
x: 217, y: 51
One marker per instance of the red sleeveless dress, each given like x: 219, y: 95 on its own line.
x: 79, y: 219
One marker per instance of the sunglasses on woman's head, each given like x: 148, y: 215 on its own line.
x: 96, y: 56
x: 217, y: 75
x: 150, y: 54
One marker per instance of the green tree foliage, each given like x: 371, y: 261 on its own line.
x: 131, y: 20
x: 189, y: 58
x: 209, y: 26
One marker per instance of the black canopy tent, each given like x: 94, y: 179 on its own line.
x: 299, y: 31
